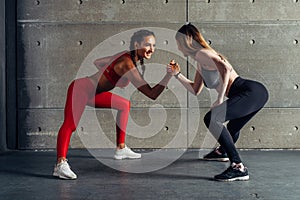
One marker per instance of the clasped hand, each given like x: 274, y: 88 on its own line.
x: 173, y: 68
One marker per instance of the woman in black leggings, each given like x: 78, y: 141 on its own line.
x: 245, y: 98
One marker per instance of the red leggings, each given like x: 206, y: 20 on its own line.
x: 81, y: 92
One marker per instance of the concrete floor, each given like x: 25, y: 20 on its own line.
x: 24, y: 175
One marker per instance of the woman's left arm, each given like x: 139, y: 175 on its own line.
x: 224, y: 69
x: 211, y: 58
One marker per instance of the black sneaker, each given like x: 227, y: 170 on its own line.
x: 233, y: 174
x: 215, y: 156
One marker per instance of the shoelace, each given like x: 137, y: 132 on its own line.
x: 237, y: 168
x: 229, y: 169
x: 65, y: 164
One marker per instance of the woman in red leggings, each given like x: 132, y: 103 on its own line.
x: 114, y: 71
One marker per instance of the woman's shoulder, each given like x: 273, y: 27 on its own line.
x: 124, y: 60
x: 119, y: 54
x: 205, y: 56
x: 124, y: 55
x: 206, y: 52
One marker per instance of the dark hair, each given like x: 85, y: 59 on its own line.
x: 138, y: 37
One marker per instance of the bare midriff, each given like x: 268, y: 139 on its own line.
x: 100, y: 82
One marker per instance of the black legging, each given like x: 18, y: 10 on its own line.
x: 245, y: 99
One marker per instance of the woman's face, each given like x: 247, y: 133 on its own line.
x: 146, y: 48
x: 180, y: 48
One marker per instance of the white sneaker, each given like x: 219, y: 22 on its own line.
x: 126, y: 153
x: 63, y: 170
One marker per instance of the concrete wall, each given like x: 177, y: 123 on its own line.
x: 58, y: 40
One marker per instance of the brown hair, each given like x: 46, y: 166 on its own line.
x: 191, y: 40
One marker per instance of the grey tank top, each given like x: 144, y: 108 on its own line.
x: 211, y: 78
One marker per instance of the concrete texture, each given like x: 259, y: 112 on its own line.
x: 83, y: 11
x: 38, y: 128
x: 57, y: 42
x: 270, y: 128
x: 243, y: 10
x: 27, y: 175
x: 157, y: 128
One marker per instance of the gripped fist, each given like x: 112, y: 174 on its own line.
x: 173, y: 68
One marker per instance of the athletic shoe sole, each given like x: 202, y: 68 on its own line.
x: 126, y: 157
x: 216, y: 159
x: 243, y: 178
x: 63, y: 177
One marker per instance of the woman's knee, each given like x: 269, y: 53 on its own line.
x: 207, y: 119
x: 124, y: 104
x: 214, y: 118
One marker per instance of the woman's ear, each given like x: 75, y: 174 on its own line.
x: 136, y: 45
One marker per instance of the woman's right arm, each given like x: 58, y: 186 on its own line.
x: 195, y: 87
x: 137, y: 80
